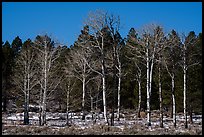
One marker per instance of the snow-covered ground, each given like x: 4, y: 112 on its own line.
x: 58, y: 120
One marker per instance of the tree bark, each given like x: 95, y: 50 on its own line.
x: 173, y: 100
x: 40, y: 108
x: 184, y: 98
x: 26, y: 118
x: 45, y: 89
x: 151, y: 71
x: 140, y: 97
x: 119, y: 84
x: 148, y: 90
x: 191, y: 115
x: 160, y: 99
x: 104, y: 83
x: 114, y: 83
x: 83, y: 96
x: 68, y: 90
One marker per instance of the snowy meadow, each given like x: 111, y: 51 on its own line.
x: 128, y: 124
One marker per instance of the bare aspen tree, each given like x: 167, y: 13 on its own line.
x: 100, y: 23
x: 160, y: 97
x: 138, y: 78
x: 170, y: 59
x: 68, y: 82
x: 135, y: 52
x: 97, y: 21
x: 67, y: 85
x: 119, y: 75
x: 93, y: 90
x: 47, y: 56
x: 81, y: 71
x: 149, y: 49
x: 25, y: 74
x: 160, y: 43
x: 144, y: 51
x: 151, y: 46
x: 188, y: 60
x: 81, y: 54
x: 119, y: 86
x: 113, y: 23
x: 147, y: 52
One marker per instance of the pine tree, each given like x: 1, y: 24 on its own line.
x: 7, y: 63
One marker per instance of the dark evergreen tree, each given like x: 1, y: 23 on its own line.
x: 16, y: 46
x: 7, y: 63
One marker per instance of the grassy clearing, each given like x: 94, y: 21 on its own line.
x: 95, y: 130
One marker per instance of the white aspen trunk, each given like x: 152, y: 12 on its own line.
x: 151, y: 70
x: 119, y: 83
x: 150, y: 84
x: 150, y: 78
x: 160, y: 99
x: 83, y: 97
x: 173, y: 100
x: 68, y: 106
x: 45, y: 90
x: 148, y: 92
x: 140, y: 97
x: 184, y: 98
x: 184, y: 86
x: 104, y: 84
x: 149, y: 81
x: 104, y: 98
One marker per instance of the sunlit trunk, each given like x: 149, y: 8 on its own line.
x: 148, y: 90
x: 151, y: 71
x: 103, y: 83
x: 184, y: 86
x: 83, y: 96
x: 104, y: 99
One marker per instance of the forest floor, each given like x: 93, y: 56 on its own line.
x: 129, y: 124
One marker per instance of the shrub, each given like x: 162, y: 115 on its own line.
x: 142, y: 114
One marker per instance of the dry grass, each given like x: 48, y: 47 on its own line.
x: 135, y: 126
x: 95, y: 130
x: 142, y: 114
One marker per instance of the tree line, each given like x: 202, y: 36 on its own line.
x: 147, y: 70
